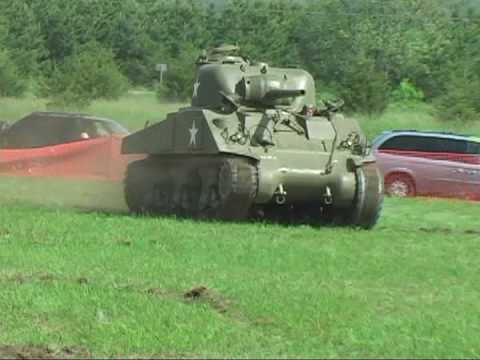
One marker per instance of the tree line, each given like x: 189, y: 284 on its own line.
x: 369, y: 52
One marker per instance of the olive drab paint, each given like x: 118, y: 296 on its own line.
x: 299, y: 152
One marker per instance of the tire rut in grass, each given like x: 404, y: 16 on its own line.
x: 448, y: 231
x: 210, y: 297
x: 199, y: 295
x: 433, y: 230
x: 195, y: 296
x: 40, y: 352
x: 23, y: 277
x: 223, y: 306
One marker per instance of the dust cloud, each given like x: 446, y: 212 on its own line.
x: 63, y: 193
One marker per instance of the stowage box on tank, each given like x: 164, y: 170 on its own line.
x: 254, y: 142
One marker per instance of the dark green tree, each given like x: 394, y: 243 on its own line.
x: 24, y: 38
x: 11, y: 83
x: 85, y: 76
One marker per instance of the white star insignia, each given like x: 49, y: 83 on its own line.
x: 195, y: 88
x: 193, y: 134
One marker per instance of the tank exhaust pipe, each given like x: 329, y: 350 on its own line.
x: 280, y: 195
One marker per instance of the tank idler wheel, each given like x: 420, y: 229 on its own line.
x: 138, y: 189
x: 209, y: 200
x: 148, y: 190
x: 187, y: 196
x: 368, y: 202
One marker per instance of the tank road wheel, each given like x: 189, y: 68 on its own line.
x: 237, y: 185
x: 187, y: 203
x: 222, y: 188
x: 229, y: 190
x: 368, y: 201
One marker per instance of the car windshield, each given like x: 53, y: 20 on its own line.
x: 112, y: 127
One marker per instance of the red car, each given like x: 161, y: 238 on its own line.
x: 429, y: 163
x: 57, y: 144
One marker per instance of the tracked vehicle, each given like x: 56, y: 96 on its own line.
x: 253, y: 143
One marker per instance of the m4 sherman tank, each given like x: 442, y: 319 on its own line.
x: 254, y: 142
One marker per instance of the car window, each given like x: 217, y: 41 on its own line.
x: 403, y: 142
x: 473, y: 148
x: 90, y: 129
x: 445, y: 145
x: 38, y: 131
x: 114, y: 128
x: 425, y: 144
x: 26, y: 133
x: 56, y: 131
x: 101, y: 128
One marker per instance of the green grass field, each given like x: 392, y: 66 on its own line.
x: 109, y: 284
x: 79, y: 276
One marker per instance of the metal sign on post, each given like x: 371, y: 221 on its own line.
x: 161, y: 68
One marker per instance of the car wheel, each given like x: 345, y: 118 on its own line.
x: 400, y: 185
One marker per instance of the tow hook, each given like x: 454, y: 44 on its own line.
x: 280, y: 195
x: 327, y: 197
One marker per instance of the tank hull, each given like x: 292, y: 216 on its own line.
x: 301, y: 170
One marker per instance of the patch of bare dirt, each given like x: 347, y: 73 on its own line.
x: 124, y: 242
x: 40, y: 352
x: 472, y: 232
x: 4, y: 232
x: 438, y: 230
x: 159, y: 292
x: 82, y: 280
x: 224, y: 306
x: 264, y: 321
x: 208, y: 296
x: 441, y: 230
x: 21, y: 278
x: 196, y: 293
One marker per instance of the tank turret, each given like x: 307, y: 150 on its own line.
x: 253, y: 141
x: 224, y: 77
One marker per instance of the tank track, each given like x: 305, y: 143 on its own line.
x: 206, y: 187
x: 225, y: 187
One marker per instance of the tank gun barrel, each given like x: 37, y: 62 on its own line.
x: 267, y: 89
